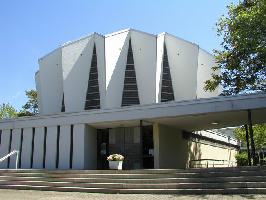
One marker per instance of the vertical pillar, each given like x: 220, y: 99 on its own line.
x: 16, y: 137
x: 4, y: 148
x: 78, y: 146
x: 26, y: 148
x: 38, y: 148
x: 84, y: 147
x: 64, y: 147
x: 156, y: 145
x: 51, y: 147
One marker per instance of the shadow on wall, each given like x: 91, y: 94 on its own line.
x: 194, y: 153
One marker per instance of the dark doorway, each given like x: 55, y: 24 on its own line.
x: 102, y: 148
x: 148, y: 149
x: 134, y: 143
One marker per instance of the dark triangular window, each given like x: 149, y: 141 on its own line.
x: 130, y: 91
x: 63, y: 108
x: 167, y: 93
x: 93, y: 94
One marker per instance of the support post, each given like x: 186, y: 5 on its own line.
x: 17, y: 159
x: 253, y: 150
x: 247, y: 140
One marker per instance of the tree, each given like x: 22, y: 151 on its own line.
x: 7, y: 111
x: 31, y: 106
x: 259, y: 131
x: 242, y: 60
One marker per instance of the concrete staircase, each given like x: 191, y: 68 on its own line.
x: 244, y: 180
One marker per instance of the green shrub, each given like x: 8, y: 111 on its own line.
x: 242, y: 159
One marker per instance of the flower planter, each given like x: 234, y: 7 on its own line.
x: 115, y: 165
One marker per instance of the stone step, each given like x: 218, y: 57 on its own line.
x: 140, y: 176
x: 140, y: 171
x: 142, y: 186
x: 141, y: 191
x: 143, y: 180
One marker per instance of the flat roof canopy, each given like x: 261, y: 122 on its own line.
x: 191, y: 115
x: 203, y: 114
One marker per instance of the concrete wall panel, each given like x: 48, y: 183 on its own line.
x: 84, y: 147
x: 38, y: 148
x: 78, y: 146
x: 100, y: 50
x: 15, y: 145
x: 144, y: 53
x: 64, y: 147
x: 169, y: 148
x: 159, y: 66
x: 39, y: 91
x: 51, y: 80
x: 183, y: 62
x: 205, y: 63
x: 26, y: 148
x: 90, y: 148
x: 51, y: 147
x: 116, y: 48
x: 76, y: 62
x: 4, y: 148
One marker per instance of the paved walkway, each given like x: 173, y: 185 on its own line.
x: 47, y: 195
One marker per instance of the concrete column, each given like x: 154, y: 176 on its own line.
x: 84, y: 147
x: 156, y: 145
x: 38, y: 148
x: 170, y: 149
x: 16, y: 141
x: 26, y: 148
x: 64, y: 147
x: 51, y: 147
x: 90, y: 155
x: 5, y: 141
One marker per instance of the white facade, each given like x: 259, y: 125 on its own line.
x: 64, y: 73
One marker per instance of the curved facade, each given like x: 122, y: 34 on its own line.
x: 124, y: 68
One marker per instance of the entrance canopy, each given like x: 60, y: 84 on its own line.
x: 189, y: 115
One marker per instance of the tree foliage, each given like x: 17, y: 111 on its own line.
x: 259, y: 132
x: 7, y: 111
x: 242, y: 60
x: 31, y: 106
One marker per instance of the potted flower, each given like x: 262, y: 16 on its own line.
x: 115, y: 161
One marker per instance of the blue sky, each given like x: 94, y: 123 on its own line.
x: 32, y: 28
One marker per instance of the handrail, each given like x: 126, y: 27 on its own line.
x: 207, y: 164
x: 10, y: 154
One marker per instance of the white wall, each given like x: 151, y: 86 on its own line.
x: 205, y: 63
x: 51, y: 147
x: 4, y: 147
x: 38, y: 148
x: 116, y: 48
x: 64, y: 147
x: 170, y: 149
x: 66, y: 70
x: 159, y: 67
x: 144, y: 53
x: 183, y: 63
x: 39, y: 92
x: 76, y: 63
x: 15, y: 145
x: 84, y: 147
x: 26, y: 148
x: 51, y: 80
